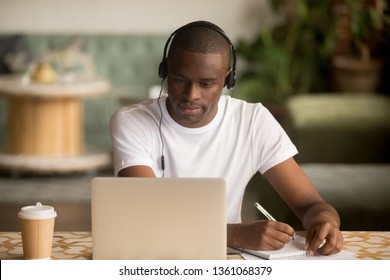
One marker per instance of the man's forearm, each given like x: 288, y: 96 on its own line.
x: 232, y: 237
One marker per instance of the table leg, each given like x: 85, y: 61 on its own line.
x: 45, y: 126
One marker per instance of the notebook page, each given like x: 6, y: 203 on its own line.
x: 291, y: 250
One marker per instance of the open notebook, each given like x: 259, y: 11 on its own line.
x: 292, y: 250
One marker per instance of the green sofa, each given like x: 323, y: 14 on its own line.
x: 340, y: 128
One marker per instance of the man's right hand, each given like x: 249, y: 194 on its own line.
x: 259, y: 235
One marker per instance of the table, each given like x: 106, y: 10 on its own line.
x: 45, y: 125
x: 367, y: 245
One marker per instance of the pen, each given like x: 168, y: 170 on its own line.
x: 268, y: 215
x: 265, y: 212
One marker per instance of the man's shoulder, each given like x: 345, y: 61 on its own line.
x: 144, y: 106
x: 232, y: 103
x: 145, y: 109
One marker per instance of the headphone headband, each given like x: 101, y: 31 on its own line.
x: 163, y: 67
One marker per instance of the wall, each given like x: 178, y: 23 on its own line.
x: 239, y: 18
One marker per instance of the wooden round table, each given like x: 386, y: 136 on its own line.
x: 45, y: 125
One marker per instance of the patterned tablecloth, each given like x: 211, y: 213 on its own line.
x: 368, y: 245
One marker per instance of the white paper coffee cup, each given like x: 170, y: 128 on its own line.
x: 37, y: 228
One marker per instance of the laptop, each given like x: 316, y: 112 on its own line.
x: 158, y: 218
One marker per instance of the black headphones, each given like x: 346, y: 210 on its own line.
x: 163, y: 67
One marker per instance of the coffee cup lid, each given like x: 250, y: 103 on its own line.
x: 37, y: 212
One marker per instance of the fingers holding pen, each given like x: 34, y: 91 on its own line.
x: 261, y: 235
x: 274, y: 235
x: 281, y: 229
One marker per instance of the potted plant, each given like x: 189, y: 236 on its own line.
x: 291, y: 57
x: 360, y: 67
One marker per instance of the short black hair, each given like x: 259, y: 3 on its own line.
x: 200, y: 39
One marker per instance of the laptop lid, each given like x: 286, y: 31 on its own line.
x: 158, y: 218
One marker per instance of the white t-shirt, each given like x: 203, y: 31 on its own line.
x: 242, y: 139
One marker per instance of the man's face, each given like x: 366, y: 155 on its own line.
x: 195, y: 82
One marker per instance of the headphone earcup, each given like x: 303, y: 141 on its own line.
x: 230, y: 80
x: 163, y: 69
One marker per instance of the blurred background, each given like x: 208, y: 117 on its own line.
x: 321, y: 67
